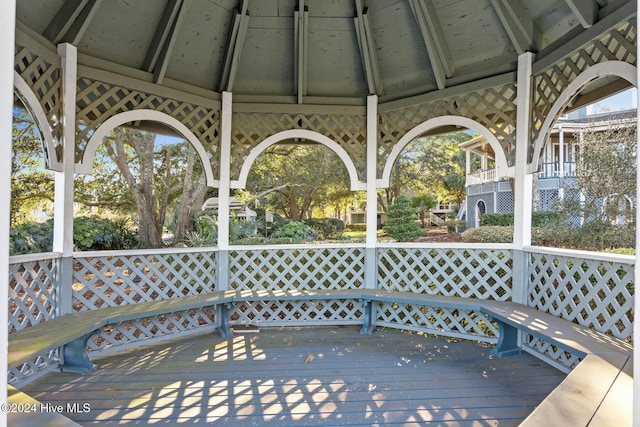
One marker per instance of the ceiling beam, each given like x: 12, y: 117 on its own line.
x: 367, y: 50
x: 162, y: 32
x: 301, y: 47
x: 434, y: 40
x: 72, y: 21
x: 585, y: 10
x: 234, y: 46
x: 162, y: 63
x: 518, y: 24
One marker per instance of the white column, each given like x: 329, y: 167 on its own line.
x: 224, y: 191
x: 372, y: 192
x: 7, y: 35
x: 523, y: 180
x: 63, y: 196
x: 636, y: 297
x: 523, y: 184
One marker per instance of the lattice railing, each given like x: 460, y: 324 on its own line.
x: 617, y: 44
x: 300, y: 267
x: 493, y: 108
x: 473, y: 272
x: 102, y: 280
x: 250, y: 129
x: 594, y: 290
x: 98, y: 101
x: 32, y: 289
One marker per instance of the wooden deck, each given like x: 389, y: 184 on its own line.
x: 304, y: 376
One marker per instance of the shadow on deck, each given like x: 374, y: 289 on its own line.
x: 304, y: 376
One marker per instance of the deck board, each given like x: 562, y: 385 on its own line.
x: 305, y: 376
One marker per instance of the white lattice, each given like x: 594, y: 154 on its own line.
x: 549, y: 353
x: 296, y: 268
x: 504, y: 201
x: 127, y: 279
x: 43, y: 78
x: 592, y: 292
x: 549, y: 199
x: 250, y: 129
x: 469, y: 273
x: 618, y: 44
x: 437, y: 320
x: 493, y: 108
x: 280, y: 313
x: 98, y: 101
x: 32, y: 293
x: 42, y: 363
x: 123, y: 335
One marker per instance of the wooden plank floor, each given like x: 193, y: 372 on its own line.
x: 305, y: 377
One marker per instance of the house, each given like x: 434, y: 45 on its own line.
x: 486, y: 192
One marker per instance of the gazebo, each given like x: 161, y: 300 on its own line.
x: 363, y: 78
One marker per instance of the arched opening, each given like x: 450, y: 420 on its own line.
x: 480, y: 210
x: 144, y: 177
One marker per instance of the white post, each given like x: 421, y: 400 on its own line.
x: 224, y: 191
x: 636, y: 294
x: 523, y: 184
x: 372, y: 193
x: 7, y: 35
x: 63, y: 195
x: 561, y: 161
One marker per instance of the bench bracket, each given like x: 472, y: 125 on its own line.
x: 507, y: 341
x: 222, y: 314
x: 367, y: 327
x: 75, y: 356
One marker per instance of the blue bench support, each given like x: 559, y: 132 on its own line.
x: 367, y: 325
x: 507, y: 340
x: 222, y: 316
x: 75, y: 357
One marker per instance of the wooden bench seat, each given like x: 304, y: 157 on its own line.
x: 26, y: 411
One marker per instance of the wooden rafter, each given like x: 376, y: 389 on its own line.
x: 367, y: 50
x: 585, y: 10
x: 234, y: 46
x: 162, y: 32
x: 160, y: 67
x: 518, y: 24
x: 434, y: 40
x: 71, y: 21
x: 301, y: 45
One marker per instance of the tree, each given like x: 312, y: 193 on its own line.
x: 422, y: 205
x: 401, y: 223
x: 605, y: 173
x: 31, y: 185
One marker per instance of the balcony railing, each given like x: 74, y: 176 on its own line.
x: 553, y: 169
x: 595, y: 290
x: 481, y: 177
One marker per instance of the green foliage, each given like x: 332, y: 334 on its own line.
x: 296, y: 231
x: 455, y: 225
x: 503, y: 219
x: 89, y: 234
x: 538, y: 219
x: 488, y: 234
x: 326, y: 228
x: 402, y: 223
x: 593, y: 236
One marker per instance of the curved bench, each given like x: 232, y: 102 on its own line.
x: 598, y: 392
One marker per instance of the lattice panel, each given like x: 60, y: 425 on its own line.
x: 42, y: 363
x: 549, y: 199
x: 468, y: 273
x: 98, y: 101
x: 504, y: 201
x: 594, y: 293
x: 302, y: 268
x: 618, y: 44
x: 250, y: 129
x: 559, y: 358
x: 152, y: 328
x: 279, y: 313
x: 43, y: 78
x: 128, y: 279
x: 494, y: 108
x: 437, y: 320
x: 32, y: 293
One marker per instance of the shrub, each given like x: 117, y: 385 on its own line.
x: 402, y: 222
x: 326, y: 228
x: 502, y: 219
x: 296, y: 230
x: 488, y: 234
x: 541, y: 219
x: 455, y: 225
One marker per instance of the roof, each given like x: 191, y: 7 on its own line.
x: 339, y: 49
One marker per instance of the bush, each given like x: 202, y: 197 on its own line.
x: 488, y: 234
x: 455, y: 225
x: 402, y: 223
x: 593, y: 236
x: 326, y: 228
x: 296, y: 230
x: 356, y: 227
x: 502, y: 219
